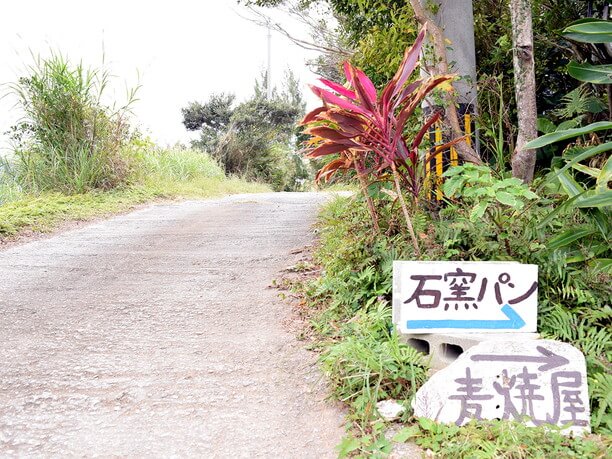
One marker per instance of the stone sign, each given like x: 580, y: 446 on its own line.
x: 537, y: 382
x: 447, y: 296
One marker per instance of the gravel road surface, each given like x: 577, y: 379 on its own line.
x: 154, y: 334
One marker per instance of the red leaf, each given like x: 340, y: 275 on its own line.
x: 363, y: 80
x: 411, y: 58
x: 328, y: 148
x: 351, y: 125
x: 346, y: 66
x: 419, y: 137
x: 425, y: 89
x: 327, y: 171
x: 329, y: 134
x: 312, y: 116
x: 339, y: 88
x: 406, y: 92
x: 409, y: 63
x: 333, y: 99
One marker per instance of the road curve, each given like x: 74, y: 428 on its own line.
x: 154, y: 334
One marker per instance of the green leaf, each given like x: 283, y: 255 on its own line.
x: 529, y: 194
x: 593, y: 199
x: 406, y: 433
x: 569, y: 124
x: 587, y: 170
x: 427, y: 424
x: 348, y: 445
x: 566, y: 238
x: 545, y: 125
x: 452, y: 186
x: 602, y: 221
x: 478, y: 211
x: 602, y: 265
x: 604, y: 176
x: 596, y: 74
x: 590, y: 30
x: 557, y: 211
x: 381, y: 445
x: 593, y: 151
x: 571, y: 186
x: 508, y: 199
x: 567, y: 134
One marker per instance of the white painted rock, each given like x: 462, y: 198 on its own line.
x: 538, y: 382
x: 389, y: 410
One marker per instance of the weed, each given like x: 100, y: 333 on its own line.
x: 68, y: 140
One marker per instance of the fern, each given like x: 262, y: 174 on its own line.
x: 578, y: 102
x: 600, y: 387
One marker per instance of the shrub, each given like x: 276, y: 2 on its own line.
x: 68, y: 140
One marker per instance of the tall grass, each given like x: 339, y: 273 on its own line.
x: 177, y: 163
x: 9, y: 189
x: 68, y: 140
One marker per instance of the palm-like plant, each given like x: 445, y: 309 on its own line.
x: 363, y: 127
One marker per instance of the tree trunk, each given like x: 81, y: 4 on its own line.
x: 451, y: 117
x: 400, y: 197
x: 364, y: 189
x: 523, y: 161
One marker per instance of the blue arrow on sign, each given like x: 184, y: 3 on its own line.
x: 513, y: 322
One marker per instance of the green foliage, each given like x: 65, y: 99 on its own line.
x: 590, y: 31
x: 552, y: 52
x: 486, y: 193
x: 592, y: 195
x: 370, y: 363
x: 573, y: 297
x: 178, y: 163
x: 559, y: 135
x: 362, y: 355
x: 380, y: 31
x: 498, y: 439
x: 161, y: 174
x: 255, y: 139
x: 211, y: 118
x: 68, y: 140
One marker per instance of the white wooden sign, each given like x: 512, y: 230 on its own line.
x: 459, y: 297
x: 536, y: 382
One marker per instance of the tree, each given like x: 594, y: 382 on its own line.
x: 255, y: 138
x: 465, y: 151
x: 523, y: 160
x: 211, y: 118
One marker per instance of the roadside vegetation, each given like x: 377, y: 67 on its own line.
x: 371, y: 132
x: 75, y: 157
x: 257, y: 138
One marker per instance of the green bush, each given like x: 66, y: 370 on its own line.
x: 371, y: 363
x: 68, y: 140
x: 357, y: 276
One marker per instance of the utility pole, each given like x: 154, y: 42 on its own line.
x: 269, y: 71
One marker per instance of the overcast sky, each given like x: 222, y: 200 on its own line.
x: 179, y: 50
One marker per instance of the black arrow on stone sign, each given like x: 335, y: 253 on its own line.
x: 549, y: 359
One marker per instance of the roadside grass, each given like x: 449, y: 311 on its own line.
x: 164, y: 174
x: 346, y: 305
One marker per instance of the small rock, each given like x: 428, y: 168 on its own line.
x: 389, y: 410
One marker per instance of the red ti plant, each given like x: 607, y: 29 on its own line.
x: 363, y: 127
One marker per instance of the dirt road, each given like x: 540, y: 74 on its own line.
x: 154, y: 334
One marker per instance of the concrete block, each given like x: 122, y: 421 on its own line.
x: 444, y: 348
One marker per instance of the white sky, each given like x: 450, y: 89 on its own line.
x: 180, y: 50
